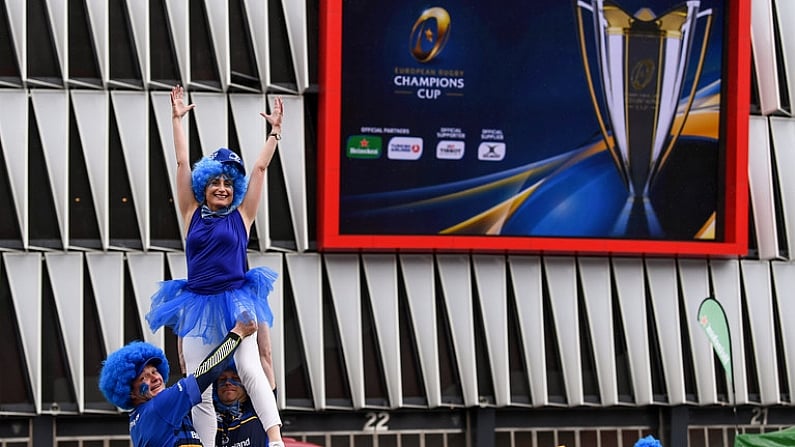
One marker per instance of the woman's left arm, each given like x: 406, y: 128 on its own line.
x: 248, y: 208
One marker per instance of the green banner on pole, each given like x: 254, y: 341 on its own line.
x: 713, y: 321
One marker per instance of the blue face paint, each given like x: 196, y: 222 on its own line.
x: 143, y: 390
x: 229, y: 380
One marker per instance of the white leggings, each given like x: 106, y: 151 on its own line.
x: 251, y: 374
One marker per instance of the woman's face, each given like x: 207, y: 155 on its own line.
x: 219, y: 193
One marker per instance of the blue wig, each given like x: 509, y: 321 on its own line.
x: 122, y: 367
x: 221, y: 162
x: 648, y: 441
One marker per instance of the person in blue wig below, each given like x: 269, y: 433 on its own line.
x: 134, y: 378
x: 237, y: 422
x: 218, y: 203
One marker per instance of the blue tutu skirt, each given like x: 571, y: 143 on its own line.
x: 211, y: 317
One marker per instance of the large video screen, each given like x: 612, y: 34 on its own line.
x: 586, y: 126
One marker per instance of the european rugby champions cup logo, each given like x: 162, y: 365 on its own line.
x: 642, y: 62
x: 429, y: 34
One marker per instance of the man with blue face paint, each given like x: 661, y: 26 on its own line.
x: 134, y: 378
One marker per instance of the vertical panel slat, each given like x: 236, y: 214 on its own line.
x: 24, y: 281
x: 381, y: 275
x: 784, y: 288
x: 562, y: 283
x: 491, y: 288
x: 305, y: 281
x: 342, y: 271
x: 726, y: 284
x: 665, y: 300
x: 631, y: 294
x: 52, y: 115
x: 595, y: 277
x: 66, y: 277
x: 527, y: 284
x: 454, y: 274
x: 418, y: 279
x: 759, y: 300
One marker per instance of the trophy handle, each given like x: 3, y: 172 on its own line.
x: 602, y: 127
x: 697, y: 76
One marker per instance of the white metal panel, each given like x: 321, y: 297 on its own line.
x: 562, y: 282
x: 763, y: 46
x: 131, y: 110
x: 296, y: 20
x: 759, y: 303
x: 305, y: 281
x: 211, y: 114
x: 161, y: 106
x: 418, y: 279
x: 454, y: 275
x: 17, y: 21
x: 106, y: 273
x: 251, y: 128
x: 177, y: 265
x: 491, y: 287
x: 91, y: 114
x: 14, y: 138
x: 784, y: 288
x: 664, y: 294
x: 726, y: 284
x: 146, y: 272
x: 293, y: 157
x: 98, y: 21
x: 631, y: 294
x: 276, y: 302
x: 786, y: 34
x: 66, y: 277
x: 342, y: 271
x: 527, y: 285
x: 694, y: 278
x: 381, y: 275
x: 595, y: 277
x: 138, y: 12
x: 257, y: 14
x: 24, y: 282
x: 52, y: 115
x: 178, y: 16
x: 218, y: 21
x: 782, y: 131
x: 57, y: 13
x: 760, y: 179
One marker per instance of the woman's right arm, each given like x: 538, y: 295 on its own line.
x: 185, y: 200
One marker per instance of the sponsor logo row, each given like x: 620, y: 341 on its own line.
x: 411, y: 148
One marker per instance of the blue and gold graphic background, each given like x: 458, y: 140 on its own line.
x: 523, y: 74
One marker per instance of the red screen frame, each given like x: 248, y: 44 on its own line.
x: 738, y: 53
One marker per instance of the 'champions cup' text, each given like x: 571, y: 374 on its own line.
x: 429, y: 83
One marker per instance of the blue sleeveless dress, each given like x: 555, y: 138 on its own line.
x: 218, y: 291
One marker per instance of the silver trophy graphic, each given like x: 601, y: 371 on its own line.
x: 642, y: 61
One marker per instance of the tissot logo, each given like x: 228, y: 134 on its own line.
x: 404, y: 148
x: 491, y: 151
x: 450, y: 150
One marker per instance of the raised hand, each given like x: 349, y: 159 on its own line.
x: 277, y: 111
x: 178, y: 107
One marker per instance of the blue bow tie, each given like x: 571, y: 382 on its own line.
x: 207, y: 212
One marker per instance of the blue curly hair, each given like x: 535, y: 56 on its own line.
x: 648, y: 441
x: 221, y: 162
x: 123, y: 366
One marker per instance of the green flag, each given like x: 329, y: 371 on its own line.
x: 713, y: 321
